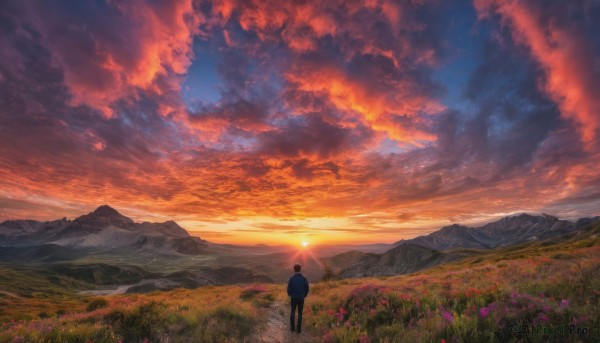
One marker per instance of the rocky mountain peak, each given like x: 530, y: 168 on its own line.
x: 454, y: 228
x: 104, y: 216
x: 105, y: 211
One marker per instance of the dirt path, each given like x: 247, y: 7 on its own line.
x: 278, y: 330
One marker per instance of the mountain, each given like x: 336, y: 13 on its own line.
x: 103, y: 229
x: 456, y: 242
x: 339, y: 262
x: 39, y: 253
x: 404, y: 259
x: 504, y: 232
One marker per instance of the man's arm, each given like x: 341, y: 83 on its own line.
x: 305, y: 287
x: 289, y: 290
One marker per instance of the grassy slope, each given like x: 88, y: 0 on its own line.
x: 475, y: 299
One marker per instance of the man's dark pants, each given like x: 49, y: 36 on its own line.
x: 300, y: 304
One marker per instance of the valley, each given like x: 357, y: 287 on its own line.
x: 477, y: 297
x: 107, y: 252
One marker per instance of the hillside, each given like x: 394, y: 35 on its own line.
x: 403, y: 259
x: 455, y: 242
x: 554, y: 282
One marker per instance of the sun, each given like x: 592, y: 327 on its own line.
x: 305, y: 244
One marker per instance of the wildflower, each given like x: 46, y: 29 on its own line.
x: 411, y: 323
x: 366, y: 290
x: 564, y: 304
x: 484, y: 312
x: 327, y: 337
x: 340, y: 314
x: 448, y: 316
x: 384, y: 302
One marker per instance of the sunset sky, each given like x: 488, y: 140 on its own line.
x: 287, y: 121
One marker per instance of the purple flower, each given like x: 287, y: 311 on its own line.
x: 448, y: 316
x: 564, y: 304
x: 484, y: 312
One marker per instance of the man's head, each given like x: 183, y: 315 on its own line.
x: 297, y: 268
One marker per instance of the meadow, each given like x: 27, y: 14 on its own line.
x: 542, y: 292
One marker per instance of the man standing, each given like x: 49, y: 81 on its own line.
x: 297, y: 290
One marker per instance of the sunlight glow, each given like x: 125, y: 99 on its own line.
x: 305, y: 244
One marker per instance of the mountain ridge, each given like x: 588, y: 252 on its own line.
x: 104, y: 228
x: 455, y: 241
x: 505, y: 231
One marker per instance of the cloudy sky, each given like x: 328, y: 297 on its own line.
x: 278, y: 121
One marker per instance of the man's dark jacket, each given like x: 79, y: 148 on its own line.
x: 297, y: 286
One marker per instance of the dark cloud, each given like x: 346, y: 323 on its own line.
x: 309, y: 135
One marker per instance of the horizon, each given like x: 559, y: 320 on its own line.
x: 321, y: 122
x: 310, y: 243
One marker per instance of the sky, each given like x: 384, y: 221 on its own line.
x: 262, y: 121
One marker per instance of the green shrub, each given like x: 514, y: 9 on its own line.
x: 144, y: 322
x: 96, y: 304
x: 81, y: 334
x: 263, y: 302
x: 250, y: 292
x: 223, y: 325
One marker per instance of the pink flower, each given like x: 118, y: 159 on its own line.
x: 484, y: 312
x: 564, y: 304
x: 448, y: 316
x: 327, y: 337
x: 341, y: 314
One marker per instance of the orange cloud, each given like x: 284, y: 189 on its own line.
x: 390, y: 94
x: 564, y: 54
x: 378, y: 109
x: 145, y: 41
x: 310, y: 92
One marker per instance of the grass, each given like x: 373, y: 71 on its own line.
x: 512, y: 294
x: 533, y: 288
x: 209, y: 314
